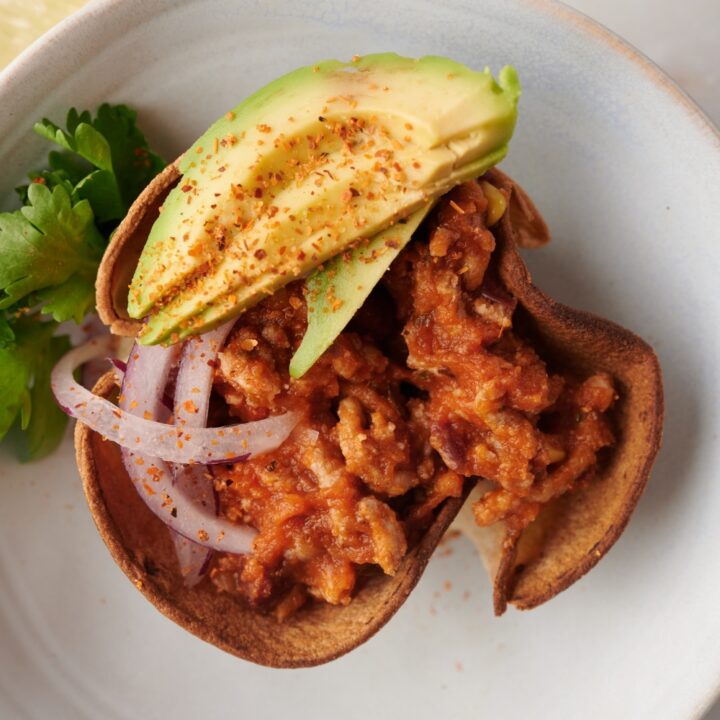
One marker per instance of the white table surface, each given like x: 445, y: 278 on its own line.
x: 683, y: 38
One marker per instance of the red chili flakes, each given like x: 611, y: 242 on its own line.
x: 260, y: 254
x: 203, y: 535
x: 349, y: 194
x: 190, y: 407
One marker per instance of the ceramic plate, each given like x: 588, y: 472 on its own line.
x: 627, y: 172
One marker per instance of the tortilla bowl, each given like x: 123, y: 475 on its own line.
x: 569, y: 538
x: 140, y: 544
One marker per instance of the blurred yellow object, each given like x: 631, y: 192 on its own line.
x: 22, y: 21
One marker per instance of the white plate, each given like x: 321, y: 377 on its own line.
x: 628, y: 174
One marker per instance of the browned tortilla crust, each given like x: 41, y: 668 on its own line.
x: 122, y: 254
x: 584, y: 524
x: 587, y: 522
x: 140, y: 544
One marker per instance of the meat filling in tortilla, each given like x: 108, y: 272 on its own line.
x: 436, y: 381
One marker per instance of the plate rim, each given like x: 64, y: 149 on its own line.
x: 578, y: 21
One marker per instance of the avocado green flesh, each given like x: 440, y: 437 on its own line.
x: 311, y: 163
x: 208, y: 303
x: 338, y: 290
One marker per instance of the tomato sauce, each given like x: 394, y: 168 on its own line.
x: 431, y: 384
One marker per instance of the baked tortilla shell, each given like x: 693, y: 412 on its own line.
x: 573, y: 532
x: 141, y: 545
x: 560, y: 547
x: 123, y: 253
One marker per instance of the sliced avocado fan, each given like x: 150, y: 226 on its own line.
x: 315, y: 161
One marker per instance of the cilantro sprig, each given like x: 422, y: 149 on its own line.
x: 50, y: 250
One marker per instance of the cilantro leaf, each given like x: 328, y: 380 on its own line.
x: 114, y: 145
x: 46, y: 425
x: 100, y: 189
x: 46, y: 243
x: 84, y: 140
x: 17, y: 361
x: 72, y: 300
x: 71, y: 165
x: 50, y: 131
x: 7, y: 335
x: 134, y: 164
x: 14, y: 380
x: 49, y: 254
x: 25, y: 388
x: 49, y: 178
x: 74, y: 118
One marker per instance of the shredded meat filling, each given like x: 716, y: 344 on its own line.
x: 394, y: 419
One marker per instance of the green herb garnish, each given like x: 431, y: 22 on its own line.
x: 50, y: 250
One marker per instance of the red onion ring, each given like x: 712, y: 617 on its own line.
x: 196, y: 370
x: 143, y: 387
x: 227, y: 444
x: 184, y: 507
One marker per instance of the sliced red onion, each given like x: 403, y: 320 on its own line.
x: 185, y: 507
x: 143, y: 387
x: 195, y: 376
x: 119, y: 365
x: 193, y: 387
x: 194, y: 558
x: 226, y: 444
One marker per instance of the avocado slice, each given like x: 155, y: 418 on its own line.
x: 306, y: 166
x: 335, y: 292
